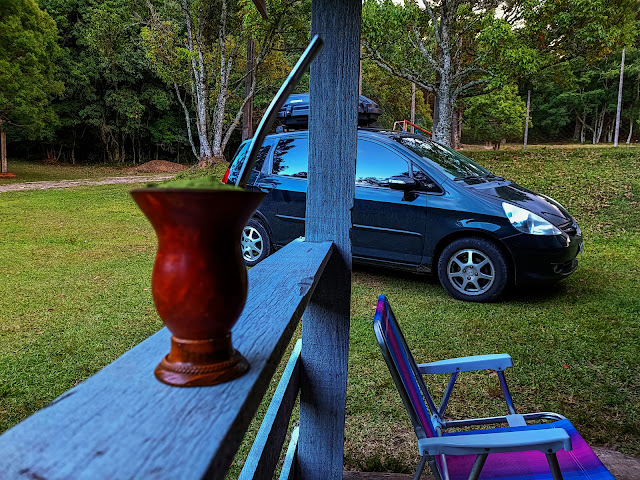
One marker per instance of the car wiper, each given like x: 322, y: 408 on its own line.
x: 470, y: 177
x: 492, y: 176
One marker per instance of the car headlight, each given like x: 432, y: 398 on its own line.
x: 528, y: 222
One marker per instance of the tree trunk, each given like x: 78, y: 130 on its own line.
x: 442, y: 132
x: 526, y: 122
x: 630, y: 131
x: 619, y: 107
x: 198, y: 85
x: 600, y: 125
x: 436, y: 113
x: 455, y: 139
x: 576, y: 130
x: 187, y: 118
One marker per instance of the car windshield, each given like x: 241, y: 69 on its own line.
x: 454, y: 164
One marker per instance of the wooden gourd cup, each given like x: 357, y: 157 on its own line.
x: 199, y: 280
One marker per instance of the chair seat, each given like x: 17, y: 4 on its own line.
x: 579, y: 463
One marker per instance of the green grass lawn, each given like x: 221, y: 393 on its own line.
x: 75, y: 267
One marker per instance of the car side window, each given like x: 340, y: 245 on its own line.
x: 376, y: 164
x: 291, y: 157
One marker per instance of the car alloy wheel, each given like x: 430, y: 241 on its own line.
x: 254, y: 243
x: 473, y: 269
x: 471, y: 272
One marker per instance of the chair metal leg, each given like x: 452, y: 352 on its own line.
x: 423, y: 461
x: 552, y: 459
x: 507, y: 394
x: 434, y: 468
x: 477, y: 466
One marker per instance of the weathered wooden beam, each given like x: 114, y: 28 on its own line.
x: 331, y: 185
x: 266, y: 449
x: 123, y: 423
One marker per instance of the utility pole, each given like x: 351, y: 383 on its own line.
x: 617, y: 132
x: 360, y: 74
x: 247, y: 112
x: 413, y: 106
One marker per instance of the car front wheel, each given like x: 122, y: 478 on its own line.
x: 473, y: 269
x: 255, y: 243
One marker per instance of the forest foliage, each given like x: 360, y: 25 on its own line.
x: 126, y: 81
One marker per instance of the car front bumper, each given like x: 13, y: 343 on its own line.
x: 541, y: 258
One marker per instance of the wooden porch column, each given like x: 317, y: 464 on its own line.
x: 331, y: 185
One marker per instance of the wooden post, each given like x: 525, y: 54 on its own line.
x: 3, y: 150
x: 247, y: 114
x: 331, y: 186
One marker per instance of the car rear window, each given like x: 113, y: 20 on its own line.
x: 240, y: 157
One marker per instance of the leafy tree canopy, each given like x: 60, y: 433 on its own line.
x: 28, y: 50
x: 495, y: 116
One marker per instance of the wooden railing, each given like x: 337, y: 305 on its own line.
x: 123, y: 423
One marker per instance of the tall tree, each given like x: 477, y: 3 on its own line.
x: 198, y: 49
x: 28, y: 51
x: 394, y: 96
x: 456, y: 48
x: 495, y: 116
x: 446, y: 47
x: 114, y: 108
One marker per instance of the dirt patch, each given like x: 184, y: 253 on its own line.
x: 158, y: 166
x: 12, y: 187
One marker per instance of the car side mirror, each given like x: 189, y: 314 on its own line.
x: 431, y: 187
x: 400, y: 182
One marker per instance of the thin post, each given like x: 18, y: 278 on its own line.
x: 619, y: 107
x: 413, y: 106
x: 3, y: 150
x: 332, y: 148
x: 360, y: 72
x: 247, y: 114
x: 526, y: 122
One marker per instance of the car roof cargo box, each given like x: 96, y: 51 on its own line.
x: 295, y: 111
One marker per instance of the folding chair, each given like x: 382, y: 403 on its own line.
x: 552, y: 450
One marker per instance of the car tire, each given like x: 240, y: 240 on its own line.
x: 255, y: 243
x: 473, y: 269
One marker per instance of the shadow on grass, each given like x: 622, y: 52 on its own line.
x: 531, y: 294
x: 535, y: 293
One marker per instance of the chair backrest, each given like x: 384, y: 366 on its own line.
x: 404, y: 370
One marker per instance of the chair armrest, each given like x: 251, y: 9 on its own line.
x: 548, y: 441
x: 498, y: 362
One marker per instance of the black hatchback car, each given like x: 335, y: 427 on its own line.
x: 419, y: 206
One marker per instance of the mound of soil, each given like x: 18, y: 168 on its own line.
x: 158, y: 166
